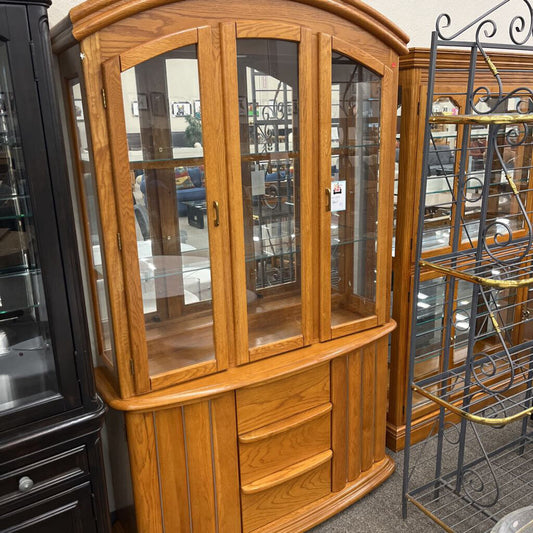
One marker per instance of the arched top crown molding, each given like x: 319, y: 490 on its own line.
x: 93, y: 15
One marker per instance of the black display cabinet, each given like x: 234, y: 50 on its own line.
x: 51, y: 468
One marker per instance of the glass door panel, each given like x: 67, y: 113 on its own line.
x: 27, y: 367
x: 270, y: 166
x: 440, y: 178
x: 162, y: 108
x: 94, y: 230
x: 355, y: 126
x: 430, y: 312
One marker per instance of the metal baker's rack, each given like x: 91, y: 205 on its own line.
x: 476, y: 465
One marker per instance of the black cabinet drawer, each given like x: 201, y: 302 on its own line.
x: 39, y: 477
x: 66, y: 512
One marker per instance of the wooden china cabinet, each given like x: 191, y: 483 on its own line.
x: 451, y: 79
x: 235, y: 169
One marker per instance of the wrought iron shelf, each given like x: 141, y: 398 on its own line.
x: 504, y: 118
x: 504, y: 267
x: 492, y: 390
x: 505, y: 475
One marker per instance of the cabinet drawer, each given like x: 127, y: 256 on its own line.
x: 267, y: 403
x: 38, y: 476
x: 67, y: 512
x: 264, y: 506
x: 281, y: 444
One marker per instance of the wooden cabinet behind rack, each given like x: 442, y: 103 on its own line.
x: 451, y: 81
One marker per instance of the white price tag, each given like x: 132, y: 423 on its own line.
x: 338, y: 195
x: 258, y: 182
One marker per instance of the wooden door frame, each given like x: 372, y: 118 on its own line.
x: 326, y: 45
x: 209, y: 78
x: 250, y: 29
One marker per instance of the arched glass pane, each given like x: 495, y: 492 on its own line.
x: 270, y: 163
x: 164, y: 128
x: 356, y: 104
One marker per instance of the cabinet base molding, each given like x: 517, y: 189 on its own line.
x: 320, y: 510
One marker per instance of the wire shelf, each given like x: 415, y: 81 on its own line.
x: 488, y: 485
x: 503, y: 266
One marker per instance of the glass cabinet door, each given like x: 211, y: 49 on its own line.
x: 170, y: 184
x: 91, y: 214
x: 267, y: 73
x: 352, y: 106
x: 31, y: 384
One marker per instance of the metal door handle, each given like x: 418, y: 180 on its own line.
x: 328, y: 199
x: 217, y: 213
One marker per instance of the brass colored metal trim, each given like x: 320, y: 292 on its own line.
x: 482, y: 119
x: 491, y: 65
x: 430, y: 514
x: 501, y: 283
x: 512, y: 184
x: 469, y: 416
x: 495, y: 323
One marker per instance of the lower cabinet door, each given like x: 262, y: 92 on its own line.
x: 69, y: 511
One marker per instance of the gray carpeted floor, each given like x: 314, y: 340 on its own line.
x: 380, y: 511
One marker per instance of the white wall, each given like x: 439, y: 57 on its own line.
x: 415, y: 17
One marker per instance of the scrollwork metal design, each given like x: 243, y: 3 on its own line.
x: 520, y: 28
x: 499, y: 231
x: 487, y: 366
x: 475, y: 488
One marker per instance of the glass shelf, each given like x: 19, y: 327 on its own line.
x: 167, y: 266
x: 338, y: 242
x: 269, y: 256
x: 7, y: 198
x: 20, y: 216
x: 16, y: 309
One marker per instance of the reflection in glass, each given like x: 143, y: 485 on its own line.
x: 356, y: 99
x: 268, y: 116
x: 440, y: 178
x: 396, y: 170
x: 162, y: 109
x: 27, y: 368
x: 512, y: 158
x: 429, y: 325
x: 91, y: 207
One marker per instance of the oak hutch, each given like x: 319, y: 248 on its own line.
x: 235, y: 169
x: 451, y: 79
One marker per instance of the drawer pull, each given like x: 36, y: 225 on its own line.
x: 292, y: 472
x: 287, y: 424
x: 25, y: 484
